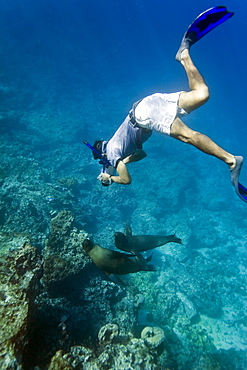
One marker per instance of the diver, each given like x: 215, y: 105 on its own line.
x: 163, y: 112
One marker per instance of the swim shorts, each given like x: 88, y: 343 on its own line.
x: 158, y: 111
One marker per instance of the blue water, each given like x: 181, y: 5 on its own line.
x: 70, y: 71
x: 127, y: 49
x: 109, y: 54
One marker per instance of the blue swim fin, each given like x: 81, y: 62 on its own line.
x: 235, y: 173
x: 204, y: 23
x: 242, y: 192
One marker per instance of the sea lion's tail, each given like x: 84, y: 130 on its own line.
x: 174, y: 239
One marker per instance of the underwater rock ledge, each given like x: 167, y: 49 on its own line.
x: 20, y: 275
x: 58, y: 311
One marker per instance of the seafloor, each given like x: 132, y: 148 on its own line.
x: 54, y: 301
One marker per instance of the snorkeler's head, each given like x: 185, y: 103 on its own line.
x: 98, y: 146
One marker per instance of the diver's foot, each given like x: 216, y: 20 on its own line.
x: 232, y: 164
x: 241, y: 191
x: 188, y: 40
x: 235, y: 171
x: 185, y: 44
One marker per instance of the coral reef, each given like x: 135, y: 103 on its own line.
x: 21, y: 270
x: 127, y: 353
x: 153, y: 336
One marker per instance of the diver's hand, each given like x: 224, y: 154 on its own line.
x: 105, y: 178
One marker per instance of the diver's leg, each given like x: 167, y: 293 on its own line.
x: 138, y: 155
x: 183, y: 133
x: 199, y: 93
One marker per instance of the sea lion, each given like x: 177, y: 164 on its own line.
x: 112, y: 262
x: 141, y: 243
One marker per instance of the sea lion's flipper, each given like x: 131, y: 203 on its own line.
x: 121, y: 241
x: 164, y: 239
x: 116, y: 279
x: 143, y: 262
x: 150, y: 267
x: 149, y: 258
x: 120, y: 254
x: 174, y: 239
x: 127, y: 229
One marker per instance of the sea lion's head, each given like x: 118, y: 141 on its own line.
x: 120, y: 240
x: 87, y: 245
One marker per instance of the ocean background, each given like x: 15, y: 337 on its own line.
x: 70, y: 71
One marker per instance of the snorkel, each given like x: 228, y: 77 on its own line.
x: 103, y: 160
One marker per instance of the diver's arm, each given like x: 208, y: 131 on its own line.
x: 138, y: 155
x: 123, y: 178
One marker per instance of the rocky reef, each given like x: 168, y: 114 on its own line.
x: 58, y: 308
x: 21, y: 270
x: 58, y: 311
x: 114, y: 352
